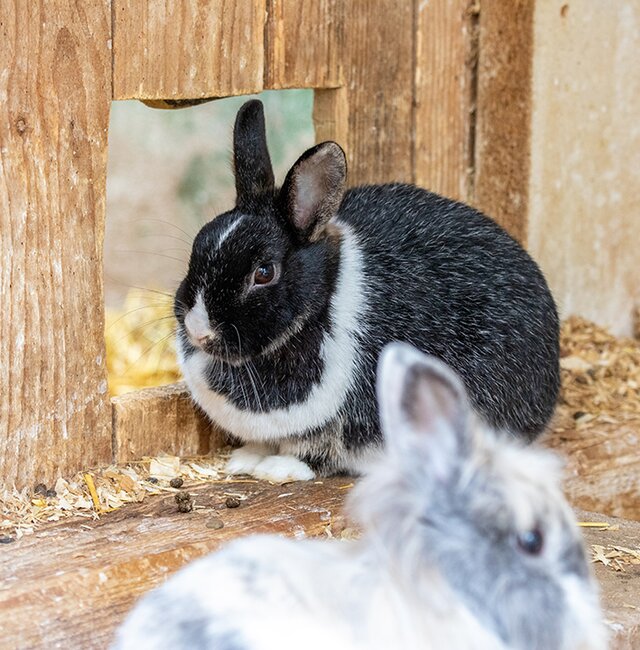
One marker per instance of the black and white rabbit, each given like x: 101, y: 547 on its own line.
x: 468, y: 544
x: 290, y: 297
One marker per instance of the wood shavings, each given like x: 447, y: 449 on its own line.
x: 339, y: 527
x: 602, y: 525
x: 615, y: 557
x: 596, y: 426
x: 600, y: 376
x: 167, y: 467
x: 91, y: 494
x: 88, y: 479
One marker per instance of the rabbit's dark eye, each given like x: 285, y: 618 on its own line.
x: 265, y: 273
x: 531, y: 542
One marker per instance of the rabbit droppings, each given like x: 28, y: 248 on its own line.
x: 290, y: 297
x: 467, y: 543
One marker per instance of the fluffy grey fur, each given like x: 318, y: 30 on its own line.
x: 468, y: 544
x: 290, y: 365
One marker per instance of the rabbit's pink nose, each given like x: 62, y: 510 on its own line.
x: 197, y: 325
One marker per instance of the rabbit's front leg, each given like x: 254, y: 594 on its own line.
x: 245, y: 459
x: 261, y: 461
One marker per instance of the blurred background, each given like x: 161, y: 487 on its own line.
x: 170, y: 172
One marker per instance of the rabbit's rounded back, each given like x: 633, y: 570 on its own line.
x: 482, y: 510
x: 290, y: 297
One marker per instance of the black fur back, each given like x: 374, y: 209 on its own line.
x: 449, y: 280
x: 290, y: 297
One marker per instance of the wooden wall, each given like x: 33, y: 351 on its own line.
x: 55, y: 91
x: 557, y: 153
x: 584, y: 185
x: 527, y: 109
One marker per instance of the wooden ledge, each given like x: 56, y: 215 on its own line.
x: 164, y: 419
x: 70, y: 585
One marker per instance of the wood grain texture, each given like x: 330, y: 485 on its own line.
x: 190, y: 49
x: 503, y: 126
x: 302, y: 43
x: 602, y: 467
x: 101, y: 567
x: 164, y: 419
x: 54, y: 115
x: 331, y: 115
x: 377, y: 54
x: 584, y: 210
x: 445, y: 63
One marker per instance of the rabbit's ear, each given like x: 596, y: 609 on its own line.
x: 252, y: 164
x: 313, y: 189
x: 423, y: 408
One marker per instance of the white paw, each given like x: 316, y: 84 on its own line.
x: 245, y: 459
x: 281, y: 469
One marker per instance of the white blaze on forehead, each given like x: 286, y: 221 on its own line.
x: 228, y: 230
x: 197, y: 320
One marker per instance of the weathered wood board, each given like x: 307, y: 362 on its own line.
x: 68, y: 586
x: 584, y: 182
x: 503, y: 113
x: 164, y: 49
x: 54, y: 115
x: 101, y: 567
x: 445, y: 85
x: 377, y: 100
x: 557, y: 148
x: 619, y: 590
x: 156, y: 420
x: 303, y: 40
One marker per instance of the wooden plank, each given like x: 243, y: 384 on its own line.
x: 71, y: 584
x: 331, y: 115
x: 190, y: 49
x: 503, y: 126
x: 164, y: 419
x: 445, y: 75
x: 602, y: 466
x: 585, y: 157
x: 54, y: 115
x: 302, y: 43
x: 377, y: 99
x: 102, y: 566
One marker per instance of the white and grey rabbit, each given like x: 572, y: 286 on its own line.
x: 290, y: 297
x: 467, y: 543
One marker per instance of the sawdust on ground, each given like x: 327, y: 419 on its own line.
x: 600, y: 375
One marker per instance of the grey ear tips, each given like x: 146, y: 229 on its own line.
x: 402, y: 354
x: 401, y: 358
x: 331, y: 145
x: 335, y: 151
x: 394, y: 362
